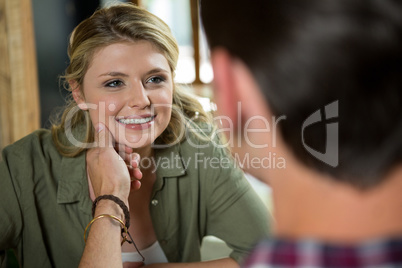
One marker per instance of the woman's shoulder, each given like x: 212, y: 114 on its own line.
x: 200, y: 138
x: 194, y: 136
x: 39, y: 141
x: 203, y: 137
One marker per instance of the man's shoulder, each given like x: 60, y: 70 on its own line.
x: 275, y: 252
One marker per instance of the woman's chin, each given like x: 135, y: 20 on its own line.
x: 135, y: 142
x: 135, y: 138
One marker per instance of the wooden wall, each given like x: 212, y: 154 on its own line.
x: 19, y: 95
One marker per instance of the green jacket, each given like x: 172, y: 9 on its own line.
x: 45, y: 204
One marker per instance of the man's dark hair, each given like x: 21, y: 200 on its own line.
x: 306, y: 54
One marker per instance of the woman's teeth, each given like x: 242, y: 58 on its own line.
x: 136, y: 120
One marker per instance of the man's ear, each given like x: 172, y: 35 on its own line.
x: 225, y: 95
x: 235, y: 87
x: 253, y: 100
x: 78, y: 95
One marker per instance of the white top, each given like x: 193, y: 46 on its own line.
x: 152, y: 254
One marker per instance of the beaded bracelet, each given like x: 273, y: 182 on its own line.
x: 117, y: 201
x: 124, y: 231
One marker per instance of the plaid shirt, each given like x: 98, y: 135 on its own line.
x: 311, y: 254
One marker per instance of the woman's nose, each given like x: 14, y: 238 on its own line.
x: 138, y: 97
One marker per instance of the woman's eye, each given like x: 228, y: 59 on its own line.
x: 156, y: 80
x: 114, y: 83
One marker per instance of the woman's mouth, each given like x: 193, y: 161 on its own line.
x: 138, y: 123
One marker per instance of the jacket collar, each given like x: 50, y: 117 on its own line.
x: 73, y: 184
x: 169, y: 162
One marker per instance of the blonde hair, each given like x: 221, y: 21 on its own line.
x: 114, y: 24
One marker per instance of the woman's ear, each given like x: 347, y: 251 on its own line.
x: 78, y: 95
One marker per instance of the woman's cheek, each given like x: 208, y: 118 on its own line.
x: 93, y: 114
x: 102, y: 112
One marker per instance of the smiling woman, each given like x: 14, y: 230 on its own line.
x: 91, y: 38
x: 129, y: 87
x: 129, y: 161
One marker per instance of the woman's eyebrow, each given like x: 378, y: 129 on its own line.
x: 114, y: 74
x: 157, y: 70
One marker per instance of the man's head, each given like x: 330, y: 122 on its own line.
x: 342, y: 58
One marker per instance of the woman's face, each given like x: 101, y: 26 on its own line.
x: 128, y: 87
